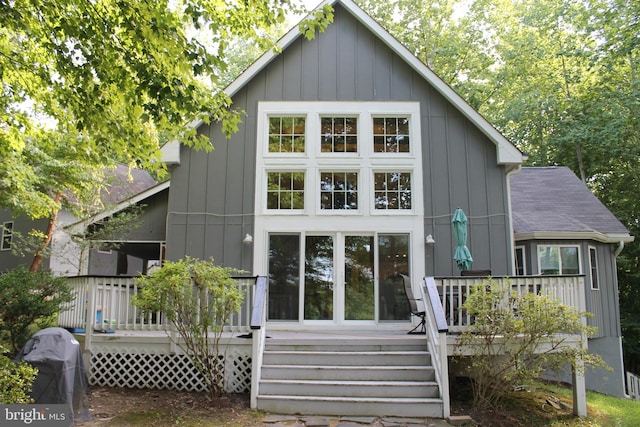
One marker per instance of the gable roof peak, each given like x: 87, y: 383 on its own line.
x: 506, y: 152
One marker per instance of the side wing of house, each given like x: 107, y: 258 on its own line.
x: 350, y: 153
x: 12, y: 232
x: 560, y: 227
x: 137, y: 250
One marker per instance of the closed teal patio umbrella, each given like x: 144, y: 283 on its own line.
x: 462, y: 256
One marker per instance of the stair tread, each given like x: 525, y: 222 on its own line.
x: 349, y: 382
x: 354, y: 399
x: 348, y: 353
x: 350, y: 367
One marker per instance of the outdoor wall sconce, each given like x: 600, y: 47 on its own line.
x: 248, y: 239
x: 429, y: 240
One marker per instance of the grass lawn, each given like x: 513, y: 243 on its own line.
x: 551, y: 405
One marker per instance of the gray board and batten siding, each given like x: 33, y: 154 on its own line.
x: 212, y: 195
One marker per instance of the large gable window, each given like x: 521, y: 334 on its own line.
x: 339, y: 158
x: 557, y: 259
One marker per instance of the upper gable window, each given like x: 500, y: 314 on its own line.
x: 287, y: 134
x: 339, y: 190
x: 339, y: 134
x: 285, y: 190
x: 7, y: 235
x: 391, y: 135
x: 392, y: 190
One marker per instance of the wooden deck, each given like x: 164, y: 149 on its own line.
x: 126, y: 348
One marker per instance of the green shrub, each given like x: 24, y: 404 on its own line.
x: 198, y: 298
x: 515, y: 337
x: 16, y: 380
x: 29, y: 298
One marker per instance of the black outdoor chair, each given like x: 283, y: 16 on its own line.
x: 413, y: 305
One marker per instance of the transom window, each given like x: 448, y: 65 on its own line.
x: 7, y: 235
x: 287, y: 134
x: 557, y: 260
x: 392, y: 190
x: 391, y: 134
x: 339, y: 190
x: 285, y: 190
x: 339, y: 134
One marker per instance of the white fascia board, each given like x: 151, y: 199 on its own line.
x: 574, y: 235
x: 171, y: 152
x: 80, y: 225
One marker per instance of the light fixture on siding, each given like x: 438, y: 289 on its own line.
x: 429, y: 240
x: 248, y: 239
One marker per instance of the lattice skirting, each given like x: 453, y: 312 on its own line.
x: 167, y: 371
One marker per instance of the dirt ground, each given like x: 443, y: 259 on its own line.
x: 121, y: 407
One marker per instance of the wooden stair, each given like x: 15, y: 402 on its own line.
x: 368, y: 376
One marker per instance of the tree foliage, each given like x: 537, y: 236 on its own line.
x: 16, y: 380
x: 198, y: 298
x: 86, y: 84
x: 29, y: 298
x: 560, y: 79
x: 515, y: 337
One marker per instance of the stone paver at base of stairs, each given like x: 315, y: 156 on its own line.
x: 328, y: 421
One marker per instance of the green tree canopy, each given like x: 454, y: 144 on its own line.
x: 86, y: 84
x: 559, y: 78
x: 89, y: 83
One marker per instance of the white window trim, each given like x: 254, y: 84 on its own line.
x: 559, y: 247
x: 5, y: 235
x: 591, y: 268
x: 524, y: 258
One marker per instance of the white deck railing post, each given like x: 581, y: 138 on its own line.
x: 436, y: 335
x: 258, y: 325
x: 90, y: 314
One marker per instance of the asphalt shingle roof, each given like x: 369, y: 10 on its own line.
x: 125, y: 183
x: 553, y: 199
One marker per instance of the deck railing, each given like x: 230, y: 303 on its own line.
x: 105, y: 304
x: 437, y: 329
x: 453, y: 293
x: 633, y: 386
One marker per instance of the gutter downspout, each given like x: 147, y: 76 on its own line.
x: 619, y: 249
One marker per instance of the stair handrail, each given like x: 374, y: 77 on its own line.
x: 258, y: 335
x: 437, y: 330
